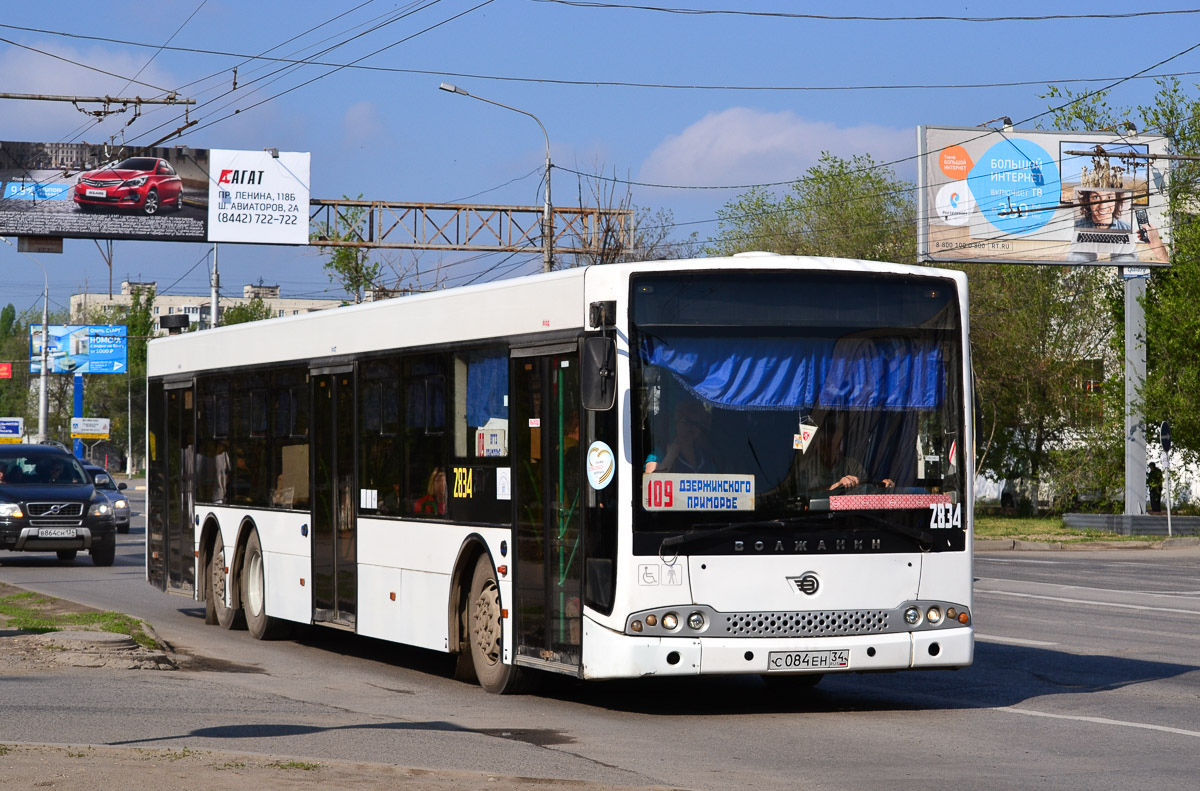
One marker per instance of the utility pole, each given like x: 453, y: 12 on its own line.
x: 547, y: 221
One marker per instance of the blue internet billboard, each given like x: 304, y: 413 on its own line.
x: 79, y: 349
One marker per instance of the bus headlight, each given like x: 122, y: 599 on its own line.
x: 696, y: 621
x: 670, y: 621
x: 912, y: 616
x: 934, y: 615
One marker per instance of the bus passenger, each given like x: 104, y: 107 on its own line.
x: 828, y: 466
x: 434, y: 499
x: 688, y: 451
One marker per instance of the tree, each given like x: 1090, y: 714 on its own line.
x: 1171, y: 390
x: 14, y: 349
x: 853, y: 208
x: 1036, y: 331
x: 627, y: 232
x: 254, y: 310
x: 349, y: 266
x: 1040, y: 344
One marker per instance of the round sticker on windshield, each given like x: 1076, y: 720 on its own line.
x: 601, y: 464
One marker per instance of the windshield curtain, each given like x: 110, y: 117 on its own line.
x: 798, y: 372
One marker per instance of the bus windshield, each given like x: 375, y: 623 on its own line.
x: 797, y: 400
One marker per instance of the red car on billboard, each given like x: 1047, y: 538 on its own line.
x: 143, y: 184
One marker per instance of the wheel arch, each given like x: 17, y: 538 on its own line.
x: 209, y: 534
x: 473, y: 546
x: 245, y: 528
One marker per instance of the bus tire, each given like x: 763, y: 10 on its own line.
x: 216, y: 611
x: 104, y: 554
x: 485, y: 634
x: 254, y: 595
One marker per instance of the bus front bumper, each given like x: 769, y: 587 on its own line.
x: 609, y: 654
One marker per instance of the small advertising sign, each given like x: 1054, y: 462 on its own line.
x: 90, y: 428
x: 258, y: 196
x: 79, y: 349
x: 5, y: 370
x: 697, y: 492
x: 12, y: 430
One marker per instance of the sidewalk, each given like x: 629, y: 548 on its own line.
x: 1017, y: 544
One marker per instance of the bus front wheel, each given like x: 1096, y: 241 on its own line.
x: 254, y: 595
x: 485, y: 633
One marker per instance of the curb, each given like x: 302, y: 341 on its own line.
x: 1020, y: 545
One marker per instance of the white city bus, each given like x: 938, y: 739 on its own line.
x: 757, y: 464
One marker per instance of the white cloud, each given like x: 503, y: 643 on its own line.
x: 25, y: 71
x: 361, y: 124
x: 747, y: 146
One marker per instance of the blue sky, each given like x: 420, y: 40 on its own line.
x: 388, y: 133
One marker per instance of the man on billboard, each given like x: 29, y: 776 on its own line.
x: 1103, y: 230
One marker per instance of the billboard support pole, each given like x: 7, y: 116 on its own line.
x: 1135, y: 375
x: 215, y: 284
x: 43, y: 394
x: 128, y: 421
x: 78, y: 443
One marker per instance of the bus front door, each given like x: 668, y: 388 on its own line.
x: 546, y: 480
x: 334, y: 535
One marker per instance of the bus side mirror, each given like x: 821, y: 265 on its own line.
x: 599, y: 373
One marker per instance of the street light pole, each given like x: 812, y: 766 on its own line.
x: 547, y: 222
x: 43, y: 395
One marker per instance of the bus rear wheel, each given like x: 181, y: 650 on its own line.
x: 217, y: 582
x: 485, y: 634
x: 254, y: 595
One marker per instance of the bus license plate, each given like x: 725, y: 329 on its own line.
x: 791, y: 661
x: 56, y: 532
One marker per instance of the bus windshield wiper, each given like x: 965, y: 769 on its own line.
x: 924, y: 538
x: 711, y: 529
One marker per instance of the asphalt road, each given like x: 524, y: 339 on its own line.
x: 1086, y: 676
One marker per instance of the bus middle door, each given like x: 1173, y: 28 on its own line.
x: 549, y: 509
x: 334, y: 532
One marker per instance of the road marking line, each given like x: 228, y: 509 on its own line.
x: 1101, y: 721
x: 1089, y: 601
x: 989, y: 638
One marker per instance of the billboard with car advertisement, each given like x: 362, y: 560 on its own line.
x: 80, y: 190
x: 1034, y: 197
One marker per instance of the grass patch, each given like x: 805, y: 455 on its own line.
x: 303, y: 765
x: 1045, y: 528
x: 33, y: 612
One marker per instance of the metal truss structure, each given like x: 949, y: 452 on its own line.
x: 466, y: 227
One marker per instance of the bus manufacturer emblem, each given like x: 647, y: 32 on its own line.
x: 808, y: 584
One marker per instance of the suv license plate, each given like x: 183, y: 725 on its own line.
x: 792, y: 661
x: 56, y: 532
